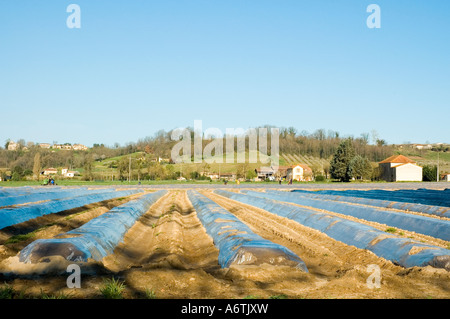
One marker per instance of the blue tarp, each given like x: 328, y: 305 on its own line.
x: 394, y: 248
x: 50, y: 194
x: 414, y: 207
x: 420, y: 196
x: 420, y: 224
x: 95, y: 239
x: 236, y: 242
x: 15, y: 191
x: 12, y: 216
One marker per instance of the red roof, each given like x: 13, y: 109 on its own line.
x: 397, y: 159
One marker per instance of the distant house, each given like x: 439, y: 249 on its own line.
x: 423, y: 146
x: 446, y: 177
x: 264, y: 172
x: 160, y: 160
x: 13, y: 146
x: 66, y: 146
x: 213, y: 175
x: 66, y: 173
x: 79, y: 147
x: 227, y: 176
x: 300, y: 172
x: 71, y: 173
x: 398, y: 168
x: 44, y: 145
x: 50, y: 171
x: 57, y: 146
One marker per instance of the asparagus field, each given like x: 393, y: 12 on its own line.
x: 226, y: 241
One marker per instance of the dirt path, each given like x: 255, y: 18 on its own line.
x: 169, y: 235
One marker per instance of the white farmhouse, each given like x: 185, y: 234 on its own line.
x: 300, y: 172
x: 400, y: 168
x: 71, y: 173
x: 50, y: 171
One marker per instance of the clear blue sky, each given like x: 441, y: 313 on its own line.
x: 136, y: 67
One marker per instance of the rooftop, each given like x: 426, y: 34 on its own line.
x: 398, y: 159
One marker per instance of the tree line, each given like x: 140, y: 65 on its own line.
x: 28, y: 161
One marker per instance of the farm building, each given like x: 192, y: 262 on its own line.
x: 272, y: 172
x: 213, y: 176
x: 400, y: 168
x: 227, y: 176
x: 71, y: 173
x: 300, y: 172
x: 67, y: 173
x: 79, y: 147
x: 445, y: 177
x: 264, y: 172
x: 50, y: 171
x: 44, y: 145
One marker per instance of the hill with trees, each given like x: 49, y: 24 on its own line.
x: 149, y: 158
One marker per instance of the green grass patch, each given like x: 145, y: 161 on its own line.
x: 112, y: 289
x: 44, y: 295
x: 150, y: 294
x: 6, y: 292
x: 22, y: 237
x: 391, y: 230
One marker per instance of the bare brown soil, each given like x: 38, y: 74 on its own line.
x: 168, y: 252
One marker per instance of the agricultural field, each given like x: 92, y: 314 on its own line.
x: 343, y: 241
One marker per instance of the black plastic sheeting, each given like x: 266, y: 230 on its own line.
x: 237, y: 243
x: 402, y: 251
x: 95, y: 239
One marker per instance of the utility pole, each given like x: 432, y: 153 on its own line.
x: 129, y: 171
x: 437, y: 177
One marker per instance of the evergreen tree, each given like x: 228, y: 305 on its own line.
x: 429, y: 173
x: 340, y: 164
x: 360, y: 168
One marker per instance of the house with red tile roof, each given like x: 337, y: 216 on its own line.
x: 398, y: 168
x: 300, y: 172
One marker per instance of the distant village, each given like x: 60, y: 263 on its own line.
x: 13, y: 146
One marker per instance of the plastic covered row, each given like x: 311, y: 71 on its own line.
x: 439, y: 228
x: 402, y: 251
x: 42, y: 195
x: 95, y: 239
x: 16, y: 215
x: 237, y: 243
x: 420, y: 195
x: 414, y: 207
